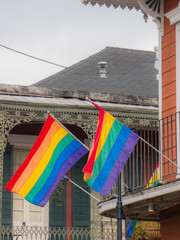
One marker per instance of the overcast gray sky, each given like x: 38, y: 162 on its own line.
x: 64, y: 32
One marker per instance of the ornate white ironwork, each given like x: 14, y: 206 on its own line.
x: 115, y: 3
x: 154, y: 8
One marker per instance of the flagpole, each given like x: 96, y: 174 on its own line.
x: 65, y: 177
x: 119, y: 210
x: 67, y: 130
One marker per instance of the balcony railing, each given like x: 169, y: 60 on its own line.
x: 169, y: 138
x: 145, y: 164
x: 55, y: 233
x: 60, y: 233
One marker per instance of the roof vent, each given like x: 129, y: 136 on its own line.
x: 102, y: 69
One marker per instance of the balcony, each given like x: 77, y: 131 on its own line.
x: 147, y: 165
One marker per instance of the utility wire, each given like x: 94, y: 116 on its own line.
x: 27, y: 55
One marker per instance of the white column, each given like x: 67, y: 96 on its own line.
x: 174, y: 17
x: 160, y: 98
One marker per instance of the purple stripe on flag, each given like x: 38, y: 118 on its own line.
x: 63, y: 170
x: 119, y: 164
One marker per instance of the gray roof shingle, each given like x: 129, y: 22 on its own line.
x: 129, y: 72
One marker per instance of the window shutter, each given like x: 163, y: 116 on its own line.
x: 57, y: 215
x: 6, y: 195
x: 80, y: 199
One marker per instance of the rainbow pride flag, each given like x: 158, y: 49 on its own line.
x: 131, y: 228
x: 154, y: 180
x: 110, y: 150
x: 55, y: 151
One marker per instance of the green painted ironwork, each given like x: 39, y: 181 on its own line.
x: 44, y: 233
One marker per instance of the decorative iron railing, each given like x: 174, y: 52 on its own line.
x: 143, y: 161
x: 55, y: 233
x: 169, y: 137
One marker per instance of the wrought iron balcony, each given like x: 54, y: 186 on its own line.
x: 140, y: 186
x: 147, y: 165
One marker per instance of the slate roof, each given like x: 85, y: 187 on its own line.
x: 129, y: 72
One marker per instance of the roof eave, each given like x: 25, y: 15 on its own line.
x: 131, y: 4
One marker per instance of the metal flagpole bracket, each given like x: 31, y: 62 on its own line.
x: 66, y: 177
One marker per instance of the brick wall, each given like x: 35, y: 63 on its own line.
x: 170, y: 224
x: 168, y: 85
x: 169, y: 63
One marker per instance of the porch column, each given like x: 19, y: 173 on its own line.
x: 3, y: 140
x: 174, y: 17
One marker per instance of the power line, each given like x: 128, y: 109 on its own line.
x: 27, y: 55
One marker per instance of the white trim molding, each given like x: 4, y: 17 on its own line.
x: 160, y: 96
x: 174, y: 15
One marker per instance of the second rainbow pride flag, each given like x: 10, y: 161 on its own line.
x: 111, y: 148
x: 55, y: 151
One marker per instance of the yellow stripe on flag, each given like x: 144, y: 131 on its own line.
x: 109, y: 120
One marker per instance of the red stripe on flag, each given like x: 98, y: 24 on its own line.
x: 37, y: 144
x: 88, y: 169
